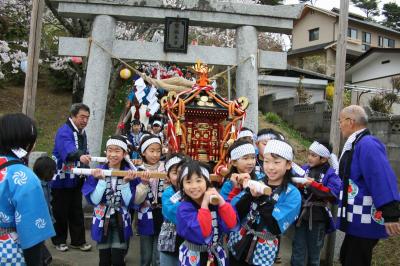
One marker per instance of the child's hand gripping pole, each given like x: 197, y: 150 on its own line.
x: 214, y: 199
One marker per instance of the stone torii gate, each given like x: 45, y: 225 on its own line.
x: 247, y: 19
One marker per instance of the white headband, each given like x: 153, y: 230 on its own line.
x: 280, y: 148
x: 148, y: 142
x: 322, y: 151
x: 267, y: 136
x: 204, y: 172
x: 174, y: 160
x: 245, y: 133
x: 118, y: 143
x: 242, y: 150
x: 157, y: 123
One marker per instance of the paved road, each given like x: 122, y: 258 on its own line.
x: 75, y: 257
x: 78, y: 258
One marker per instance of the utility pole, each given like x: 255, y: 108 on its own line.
x: 338, y: 103
x: 28, y: 106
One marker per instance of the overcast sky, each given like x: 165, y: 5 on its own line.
x: 329, y: 4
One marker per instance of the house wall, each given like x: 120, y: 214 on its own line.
x: 282, y: 92
x: 310, y: 21
x: 356, y: 44
x: 328, y: 32
x: 373, y: 68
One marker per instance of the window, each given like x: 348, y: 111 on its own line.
x: 352, y: 33
x: 390, y: 43
x: 313, y: 34
x: 386, y: 42
x: 366, y: 40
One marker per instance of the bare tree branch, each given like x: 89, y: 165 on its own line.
x: 62, y: 20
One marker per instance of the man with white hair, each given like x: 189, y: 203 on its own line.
x: 369, y: 210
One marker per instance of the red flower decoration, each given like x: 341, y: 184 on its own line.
x: 193, y: 259
x: 350, y: 189
x: 261, y: 241
x: 378, y: 215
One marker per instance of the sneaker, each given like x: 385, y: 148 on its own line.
x: 83, y: 247
x: 62, y: 247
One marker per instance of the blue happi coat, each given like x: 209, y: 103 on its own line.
x: 110, y: 198
x: 332, y: 181
x: 285, y: 212
x: 188, y: 227
x: 372, y: 184
x: 68, y: 141
x: 170, y: 205
x: 23, y: 207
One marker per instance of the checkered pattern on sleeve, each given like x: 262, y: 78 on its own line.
x: 10, y: 253
x: 358, y: 209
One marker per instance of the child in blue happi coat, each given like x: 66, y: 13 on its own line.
x: 134, y: 137
x: 242, y: 156
x: 264, y: 217
x: 319, y: 189
x: 112, y: 197
x: 263, y: 136
x: 168, y: 241
x: 149, y: 201
x: 200, y: 223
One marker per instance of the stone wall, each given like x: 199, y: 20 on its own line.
x: 312, y: 120
x: 388, y: 131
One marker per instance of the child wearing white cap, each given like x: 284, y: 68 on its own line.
x: 263, y: 218
x: 112, y: 197
x: 242, y: 157
x: 149, y: 198
x: 168, y: 240
x: 320, y: 187
x: 246, y: 134
x: 201, y: 223
x: 263, y: 136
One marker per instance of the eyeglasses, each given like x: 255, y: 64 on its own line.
x: 344, y: 119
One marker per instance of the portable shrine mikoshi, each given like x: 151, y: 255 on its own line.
x: 201, y: 123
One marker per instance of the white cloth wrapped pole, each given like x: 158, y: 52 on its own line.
x: 88, y: 171
x: 99, y: 159
x: 258, y: 186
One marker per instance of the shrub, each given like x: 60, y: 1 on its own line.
x: 273, y: 118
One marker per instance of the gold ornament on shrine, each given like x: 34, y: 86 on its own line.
x: 202, y: 124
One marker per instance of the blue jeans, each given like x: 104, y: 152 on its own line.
x: 168, y: 259
x: 308, y: 243
x: 149, y: 254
